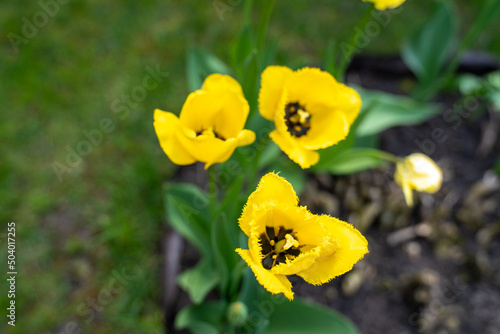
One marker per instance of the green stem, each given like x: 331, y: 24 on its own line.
x: 212, y: 188
x: 386, y: 156
x: 247, y: 12
x: 255, y: 166
x: 353, y: 42
x: 264, y: 22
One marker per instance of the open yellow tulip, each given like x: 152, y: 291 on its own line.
x: 286, y: 239
x: 418, y: 172
x: 310, y: 110
x: 210, y: 125
x: 384, y: 4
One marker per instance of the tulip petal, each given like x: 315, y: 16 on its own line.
x: 328, y: 127
x: 272, y: 283
x: 166, y: 127
x: 311, y: 85
x: 201, y: 109
x: 232, y: 116
x: 272, y: 188
x: 348, y: 101
x: 384, y: 4
x: 206, y: 148
x: 272, y: 83
x: 297, y: 265
x: 299, y: 154
x: 221, y: 83
x: 352, y: 246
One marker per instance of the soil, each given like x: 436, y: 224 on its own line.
x: 433, y: 268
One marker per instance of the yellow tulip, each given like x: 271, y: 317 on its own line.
x: 418, y: 172
x: 310, y: 110
x: 384, y: 4
x: 286, y: 239
x: 210, y: 125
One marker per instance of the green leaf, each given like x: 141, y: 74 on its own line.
x: 427, y: 49
x: 386, y: 110
x: 330, y: 57
x: 270, y: 154
x: 489, y: 13
x: 242, y: 49
x: 233, y: 202
x: 200, y: 63
x: 298, y: 317
x: 469, y: 84
x: 291, y: 172
x: 205, y: 318
x: 187, y: 207
x: 199, y: 281
x: 258, y: 301
x: 352, y: 161
x: 224, y: 242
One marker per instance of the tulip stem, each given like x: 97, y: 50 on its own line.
x: 387, y: 156
x: 255, y: 168
x: 212, y: 186
x: 352, y: 46
x: 267, y: 11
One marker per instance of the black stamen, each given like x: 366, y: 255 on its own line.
x: 268, y: 261
x: 266, y: 245
x: 293, y: 251
x: 281, y: 258
x: 270, y: 232
x: 293, y: 122
x: 283, y: 232
x: 271, y: 256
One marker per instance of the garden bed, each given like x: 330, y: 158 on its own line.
x: 432, y: 268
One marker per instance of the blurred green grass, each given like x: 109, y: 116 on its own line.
x: 105, y: 215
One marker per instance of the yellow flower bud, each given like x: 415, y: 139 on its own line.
x: 418, y: 172
x: 210, y: 125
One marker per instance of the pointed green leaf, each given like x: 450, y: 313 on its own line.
x: 199, y: 281
x: 201, y: 63
x: 352, y: 161
x: 205, y: 318
x: 186, y: 208
x: 388, y: 110
x: 298, y: 317
x: 427, y: 49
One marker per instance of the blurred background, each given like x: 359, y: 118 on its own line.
x: 81, y: 169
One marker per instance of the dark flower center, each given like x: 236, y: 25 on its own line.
x: 209, y: 131
x: 297, y: 119
x: 277, y: 248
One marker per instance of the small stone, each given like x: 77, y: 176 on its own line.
x: 331, y: 293
x: 352, y: 282
x: 413, y: 249
x: 368, y: 215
